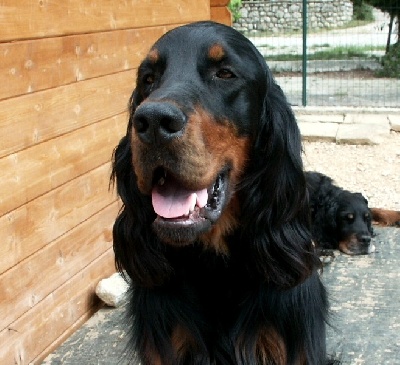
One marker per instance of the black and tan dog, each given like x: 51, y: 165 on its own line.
x: 342, y: 219
x: 214, y: 231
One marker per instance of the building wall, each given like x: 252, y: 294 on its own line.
x: 278, y: 16
x: 67, y: 69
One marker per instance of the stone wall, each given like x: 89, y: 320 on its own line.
x: 277, y: 16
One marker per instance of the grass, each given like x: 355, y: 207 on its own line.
x: 334, y: 53
x: 325, y: 45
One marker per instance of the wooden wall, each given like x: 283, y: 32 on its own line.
x: 220, y: 13
x: 67, y: 69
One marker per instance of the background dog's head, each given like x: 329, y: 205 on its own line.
x: 353, y: 224
x: 212, y: 157
x: 340, y: 219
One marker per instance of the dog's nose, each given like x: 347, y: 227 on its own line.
x: 365, y: 239
x: 158, y: 122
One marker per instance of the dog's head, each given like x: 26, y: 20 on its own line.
x: 353, y: 224
x: 212, y: 151
x: 192, y: 125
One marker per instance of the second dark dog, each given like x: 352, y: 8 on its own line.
x: 342, y: 219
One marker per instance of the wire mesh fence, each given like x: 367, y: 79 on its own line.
x: 326, y: 56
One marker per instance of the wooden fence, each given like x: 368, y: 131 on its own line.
x: 66, y: 72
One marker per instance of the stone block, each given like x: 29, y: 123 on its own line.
x: 321, y: 118
x: 371, y: 119
x: 394, y: 122
x: 311, y: 131
x: 362, y: 134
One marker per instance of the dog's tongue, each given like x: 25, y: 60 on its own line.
x: 171, y: 200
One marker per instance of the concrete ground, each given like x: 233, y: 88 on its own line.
x: 365, y: 300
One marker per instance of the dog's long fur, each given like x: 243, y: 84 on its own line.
x: 235, y: 281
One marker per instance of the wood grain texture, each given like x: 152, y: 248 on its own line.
x: 35, y: 171
x: 32, y: 226
x: 39, y: 64
x: 32, y: 119
x: 24, y: 340
x: 30, y: 19
x: 22, y: 287
x: 221, y: 15
x: 219, y: 3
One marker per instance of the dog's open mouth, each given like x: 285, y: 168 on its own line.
x: 182, y: 213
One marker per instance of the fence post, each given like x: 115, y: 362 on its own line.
x: 304, y: 58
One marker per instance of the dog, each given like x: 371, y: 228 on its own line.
x: 214, y: 231
x: 342, y: 219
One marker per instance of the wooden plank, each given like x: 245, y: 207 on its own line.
x: 31, y: 119
x: 38, y: 19
x: 20, y: 287
x: 34, y: 65
x: 37, y: 170
x: 32, y: 226
x: 221, y: 15
x: 219, y: 3
x: 39, y: 328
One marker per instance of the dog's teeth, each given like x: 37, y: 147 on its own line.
x: 161, y: 180
x: 192, y: 203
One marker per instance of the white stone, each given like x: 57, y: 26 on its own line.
x: 112, y: 290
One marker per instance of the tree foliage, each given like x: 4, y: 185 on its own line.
x: 234, y: 6
x: 391, y: 60
x: 392, y: 7
x: 390, y: 63
x: 362, y: 11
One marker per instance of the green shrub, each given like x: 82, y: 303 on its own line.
x: 391, y: 63
x: 234, y: 6
x: 362, y: 11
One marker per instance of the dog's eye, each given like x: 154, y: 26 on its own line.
x: 225, y: 73
x: 149, y: 79
x: 350, y: 217
x: 367, y: 216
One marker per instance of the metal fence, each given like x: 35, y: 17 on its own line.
x: 333, y: 61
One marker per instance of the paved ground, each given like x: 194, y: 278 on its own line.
x: 365, y: 298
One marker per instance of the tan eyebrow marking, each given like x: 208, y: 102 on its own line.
x: 153, y: 56
x: 216, y: 52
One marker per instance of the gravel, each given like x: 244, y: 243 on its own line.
x: 373, y: 170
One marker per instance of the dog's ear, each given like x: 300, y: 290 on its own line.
x: 330, y: 215
x: 369, y: 221
x: 362, y: 197
x: 137, y: 249
x: 275, y: 201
